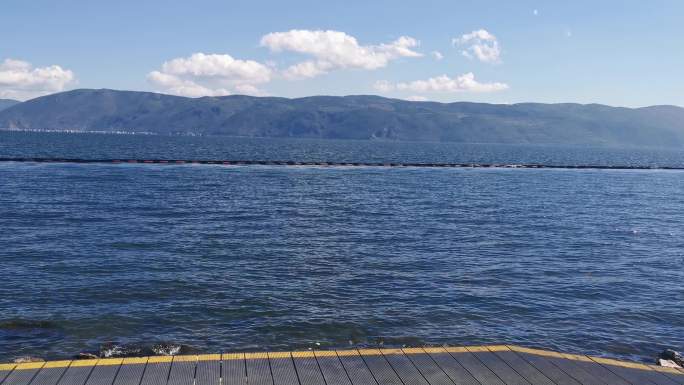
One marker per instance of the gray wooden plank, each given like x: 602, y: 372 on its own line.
x: 258, y: 369
x: 307, y: 368
x: 473, y: 365
x: 131, y: 371
x: 20, y: 377
x: 104, y: 374
x: 5, y: 371
x: 550, y: 370
x: 332, y: 369
x: 379, y: 367
x: 427, y: 367
x: 635, y: 373
x: 497, y: 365
x: 522, y: 367
x: 156, y: 373
x: 576, y: 372
x: 76, y: 374
x: 452, y: 368
x: 356, y: 368
x: 283, y: 369
x: 671, y: 373
x: 49, y: 375
x: 606, y: 376
x: 403, y: 366
x: 182, y: 371
x: 234, y: 370
x: 208, y: 370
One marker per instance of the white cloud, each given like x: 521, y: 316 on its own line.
x: 479, y: 44
x: 210, y: 75
x: 383, y: 86
x: 442, y: 84
x: 437, y: 55
x: 331, y: 50
x: 535, y: 12
x: 20, y: 80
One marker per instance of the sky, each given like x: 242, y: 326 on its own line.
x: 622, y: 53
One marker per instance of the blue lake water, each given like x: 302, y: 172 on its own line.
x: 249, y: 258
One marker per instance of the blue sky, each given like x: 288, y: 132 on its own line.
x: 628, y: 53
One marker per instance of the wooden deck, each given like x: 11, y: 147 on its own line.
x: 472, y: 365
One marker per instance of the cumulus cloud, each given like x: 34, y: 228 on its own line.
x: 437, y: 55
x: 442, y: 84
x: 210, y: 75
x: 20, y: 80
x: 383, y: 86
x: 479, y: 44
x: 331, y: 50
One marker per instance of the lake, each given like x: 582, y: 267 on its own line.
x: 226, y: 258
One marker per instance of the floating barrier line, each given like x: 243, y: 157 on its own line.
x: 329, y: 164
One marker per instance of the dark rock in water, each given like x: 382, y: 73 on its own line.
x: 671, y: 355
x: 86, y: 356
x: 22, y: 360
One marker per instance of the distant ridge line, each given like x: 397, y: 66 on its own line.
x: 327, y: 164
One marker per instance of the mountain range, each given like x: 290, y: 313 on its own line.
x: 348, y: 117
x: 7, y: 103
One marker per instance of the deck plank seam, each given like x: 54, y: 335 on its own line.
x: 142, y: 375
x: 118, y: 369
x: 365, y: 365
x: 347, y: 372
x: 388, y: 364
x: 90, y: 373
x: 461, y: 365
x: 553, y: 362
x: 618, y: 374
x: 409, y: 360
x: 613, y: 372
x: 493, y: 352
x: 299, y: 378
x: 318, y: 365
x: 34, y: 374
x: 485, y: 365
x: 436, y: 365
x: 294, y: 367
x: 474, y: 375
x: 270, y: 370
x: 549, y: 361
x: 512, y: 368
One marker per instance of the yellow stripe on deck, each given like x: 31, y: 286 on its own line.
x: 134, y: 360
x: 279, y: 355
x: 255, y: 356
x: 209, y: 357
x: 56, y: 364
x: 159, y: 359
